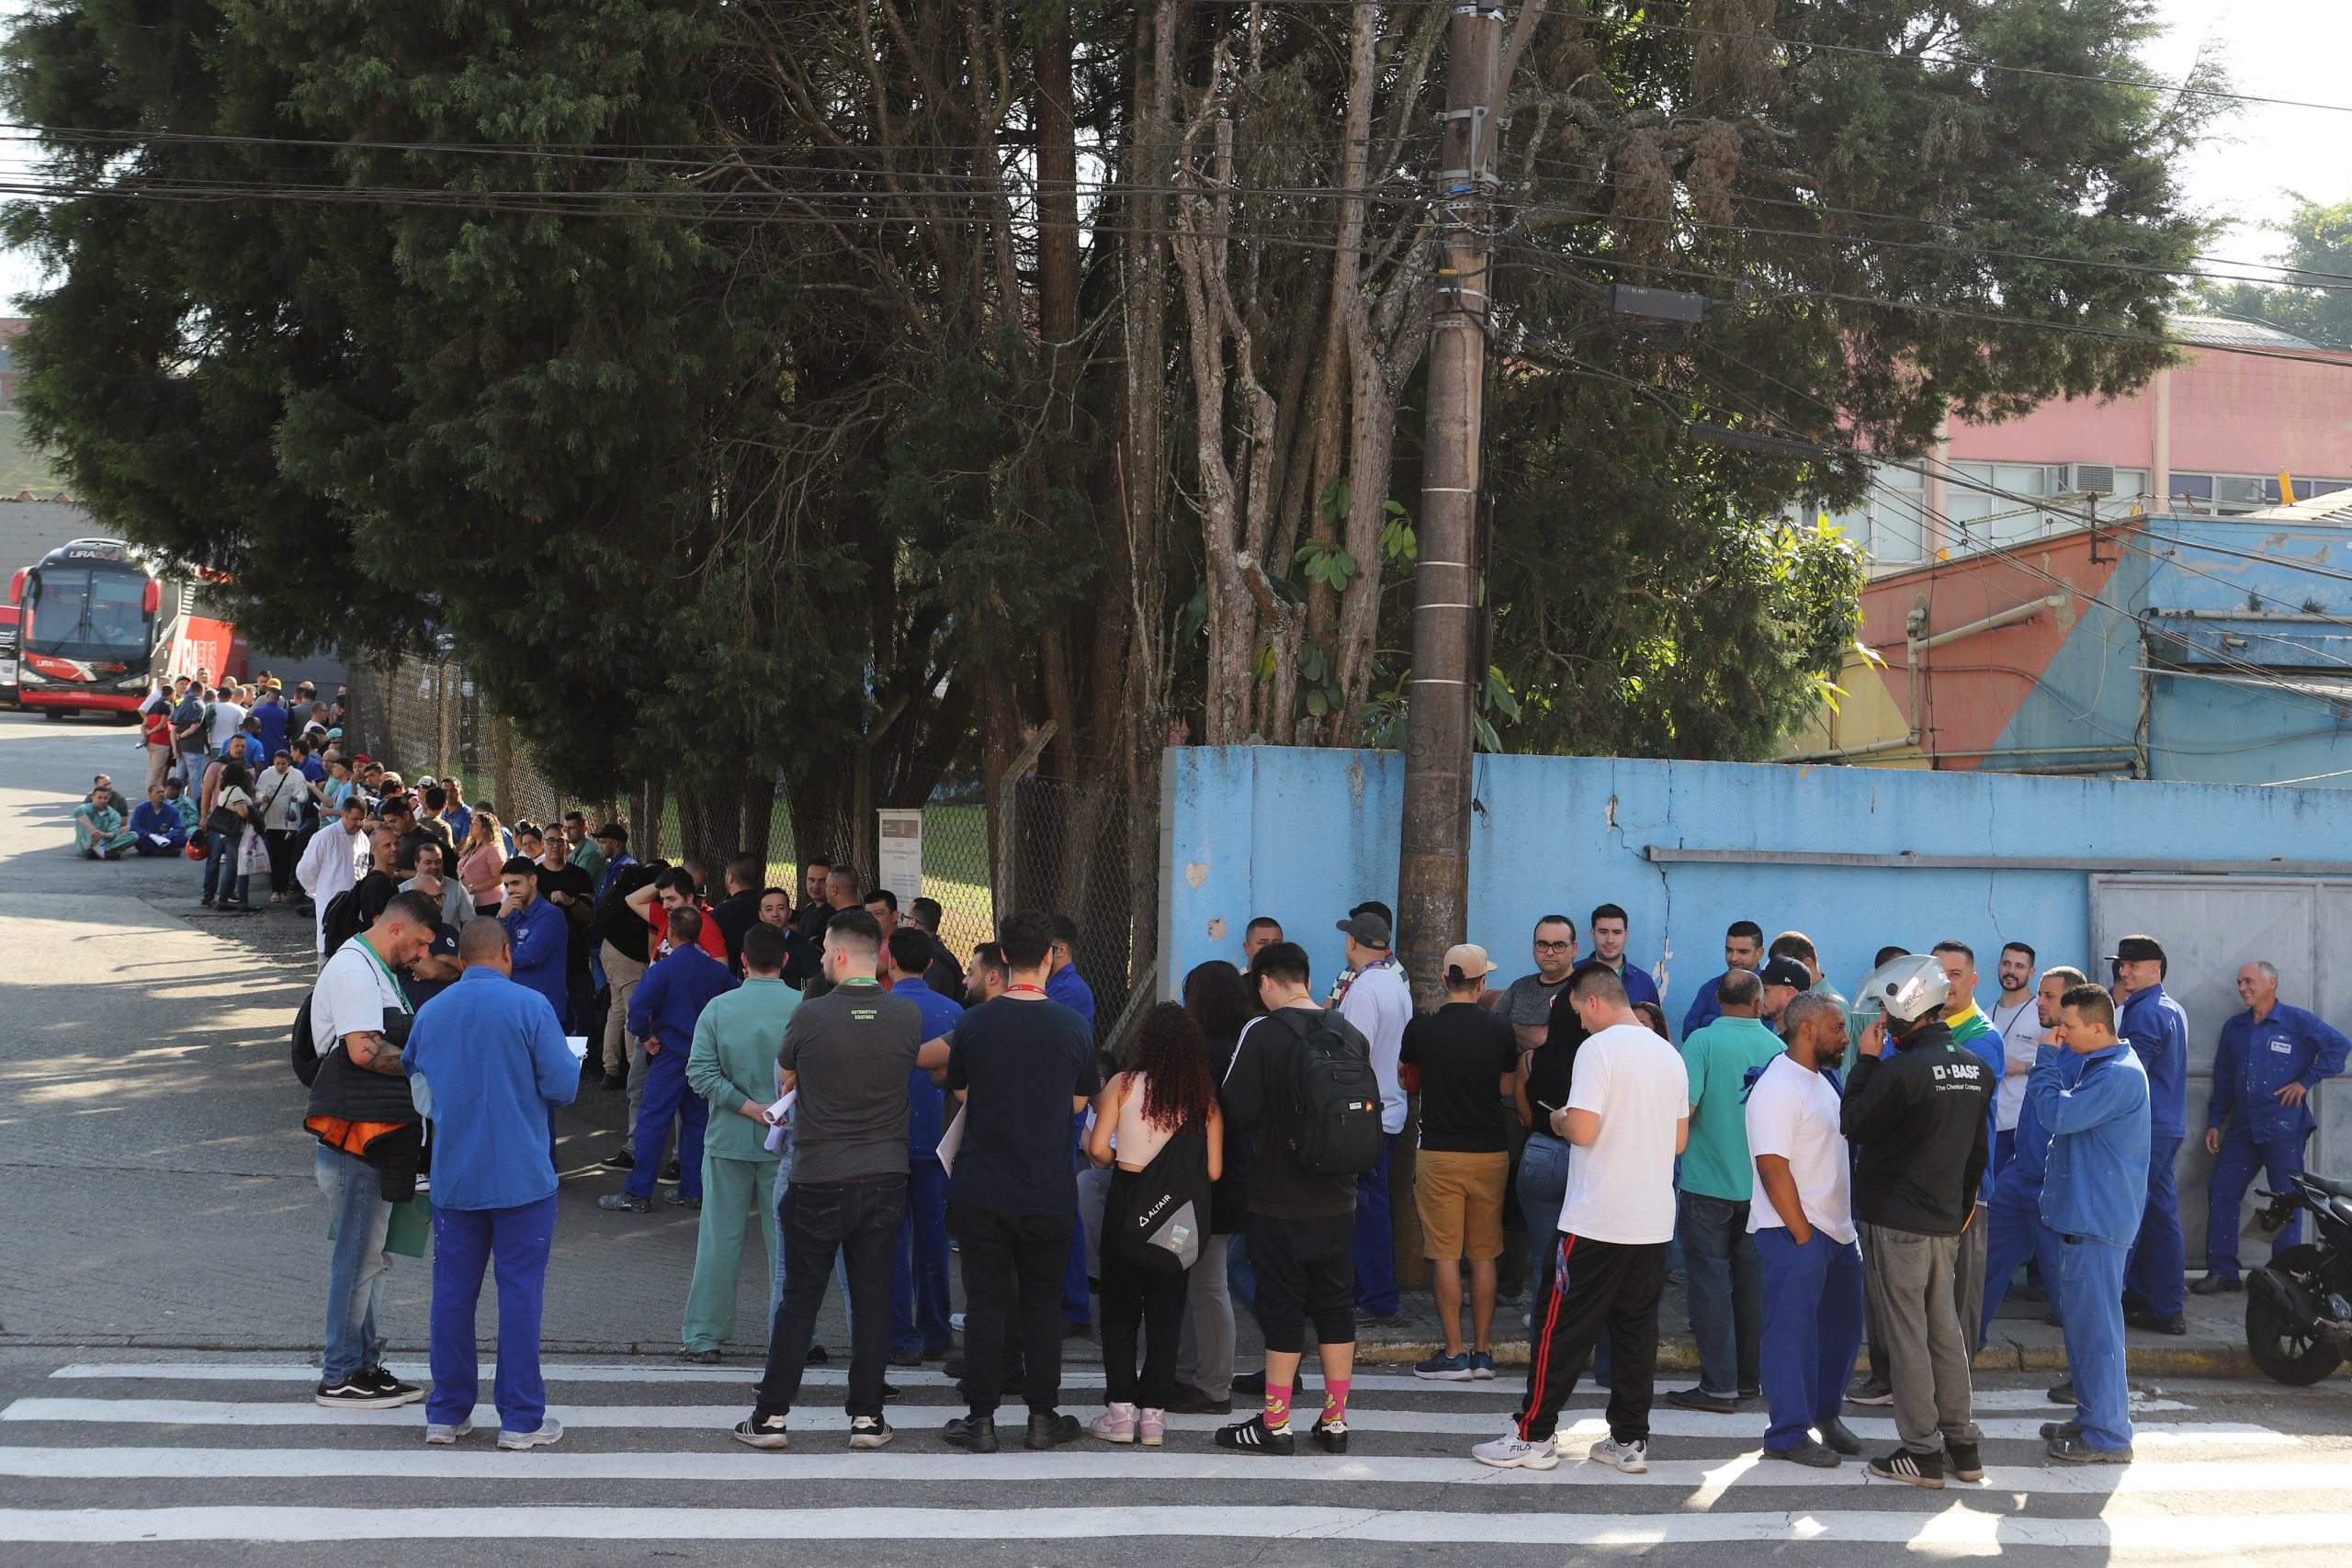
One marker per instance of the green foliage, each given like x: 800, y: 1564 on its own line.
x: 2318, y: 251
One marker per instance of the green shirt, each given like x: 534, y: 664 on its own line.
x: 590, y: 859
x: 1717, y: 1059
x: 733, y: 1060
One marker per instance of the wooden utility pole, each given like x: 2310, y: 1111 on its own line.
x: 1434, y: 859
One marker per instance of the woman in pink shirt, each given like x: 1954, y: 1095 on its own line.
x: 481, y: 861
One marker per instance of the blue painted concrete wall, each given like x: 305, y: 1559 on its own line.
x: 1300, y: 835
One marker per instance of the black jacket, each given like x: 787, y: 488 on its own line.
x: 1917, y: 1120
x: 1256, y: 1097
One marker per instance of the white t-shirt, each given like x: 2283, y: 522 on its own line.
x: 1380, y: 1004
x: 352, y: 994
x: 228, y: 718
x: 2021, y: 1038
x: 1793, y: 1113
x: 1621, y: 1186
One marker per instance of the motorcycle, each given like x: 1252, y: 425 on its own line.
x: 2299, y: 1306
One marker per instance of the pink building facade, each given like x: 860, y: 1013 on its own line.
x: 2209, y: 436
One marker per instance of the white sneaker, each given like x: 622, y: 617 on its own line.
x: 869, y: 1432
x: 440, y: 1437
x: 1511, y: 1451
x: 551, y: 1431
x: 1634, y: 1459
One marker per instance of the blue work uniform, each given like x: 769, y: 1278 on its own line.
x: 2157, y: 1031
x: 1705, y: 1007
x: 152, y: 822
x: 1068, y: 986
x: 2017, y: 1232
x: 541, y: 939
x: 919, y: 1286
x: 2253, y: 1060
x: 1640, y: 986
x: 493, y: 1057
x: 2094, y: 1190
x: 663, y: 1010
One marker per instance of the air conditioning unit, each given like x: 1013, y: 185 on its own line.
x: 2081, y: 479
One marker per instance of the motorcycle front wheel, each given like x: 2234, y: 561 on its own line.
x: 2286, y: 1351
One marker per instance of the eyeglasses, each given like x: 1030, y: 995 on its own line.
x: 1555, y: 947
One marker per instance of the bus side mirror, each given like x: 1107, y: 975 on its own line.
x: 17, y: 587
x: 153, y: 597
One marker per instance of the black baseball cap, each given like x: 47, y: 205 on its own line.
x: 1786, y: 972
x: 615, y: 831
x: 2137, y: 950
x: 1368, y: 929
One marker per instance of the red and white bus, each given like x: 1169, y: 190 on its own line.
x: 96, y: 624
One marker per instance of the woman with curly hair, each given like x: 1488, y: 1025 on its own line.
x: 1167, y: 1099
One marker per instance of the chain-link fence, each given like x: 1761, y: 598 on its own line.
x: 1076, y: 850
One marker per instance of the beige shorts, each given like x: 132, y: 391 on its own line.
x: 1460, y: 1198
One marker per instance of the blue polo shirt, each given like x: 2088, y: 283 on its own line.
x: 2253, y: 1062
x: 668, y: 1002
x: 542, y: 943
x: 1068, y: 986
x: 2096, y: 1181
x: 2158, y: 1032
x: 1705, y: 1007
x: 494, y: 1057
x: 925, y: 1100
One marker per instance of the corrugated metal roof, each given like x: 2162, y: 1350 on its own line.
x: 2335, y: 507
x: 2232, y: 331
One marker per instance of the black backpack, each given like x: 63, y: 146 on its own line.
x: 1333, y: 1122
x: 1164, y: 1221
x: 306, y: 1049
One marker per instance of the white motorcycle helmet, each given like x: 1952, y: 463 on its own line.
x: 1908, y: 988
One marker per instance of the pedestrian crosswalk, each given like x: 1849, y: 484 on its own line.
x: 233, y: 1450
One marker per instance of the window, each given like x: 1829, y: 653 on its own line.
x: 2224, y: 496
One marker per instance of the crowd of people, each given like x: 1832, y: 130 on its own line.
x: 815, y: 1066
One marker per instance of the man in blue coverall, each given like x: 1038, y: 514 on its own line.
x: 2155, y: 1284
x: 2270, y: 1058
x: 1064, y: 985
x: 662, y: 1012
x: 542, y: 937
x: 2017, y: 1232
x: 1743, y: 949
x: 2094, y: 1189
x: 918, y: 1286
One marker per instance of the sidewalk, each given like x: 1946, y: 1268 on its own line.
x: 156, y: 1153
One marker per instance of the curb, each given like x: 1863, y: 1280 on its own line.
x: 1681, y: 1356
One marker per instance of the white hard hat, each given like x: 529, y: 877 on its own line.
x: 1908, y: 988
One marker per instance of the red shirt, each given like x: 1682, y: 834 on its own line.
x: 713, y: 940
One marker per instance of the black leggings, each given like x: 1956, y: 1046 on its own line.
x: 1130, y: 1297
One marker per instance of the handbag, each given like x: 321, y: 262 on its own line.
x: 224, y: 821
x: 1163, y: 1217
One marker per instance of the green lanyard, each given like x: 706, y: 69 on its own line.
x: 390, y: 978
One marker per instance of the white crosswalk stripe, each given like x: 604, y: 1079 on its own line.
x: 124, y: 1458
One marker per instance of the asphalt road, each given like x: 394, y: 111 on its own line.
x: 161, y: 1275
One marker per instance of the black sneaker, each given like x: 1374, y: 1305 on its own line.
x: 2216, y: 1285
x: 1703, y: 1399
x: 2148, y: 1320
x: 1254, y: 1435
x: 973, y: 1434
x: 2074, y: 1450
x: 623, y: 1161
x: 1053, y: 1431
x: 1966, y: 1462
x: 625, y: 1204
x: 670, y: 1171
x: 356, y: 1393
x: 1911, y: 1468
x: 676, y: 1198
x: 759, y: 1434
x: 409, y: 1392
x: 2054, y: 1430
x: 700, y: 1358
x: 891, y: 1394
x: 1191, y: 1400
x: 1331, y: 1437
x: 1816, y: 1456
x: 905, y: 1358
x: 2062, y: 1394
x: 818, y: 1353
x: 614, y: 1084
x: 1869, y: 1391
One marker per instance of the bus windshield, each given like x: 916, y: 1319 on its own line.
x: 77, y: 612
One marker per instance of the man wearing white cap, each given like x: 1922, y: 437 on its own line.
x: 1467, y: 1058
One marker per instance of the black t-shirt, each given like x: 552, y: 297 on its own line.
x: 736, y: 913
x: 1019, y: 1064
x: 1550, y: 1070
x: 1463, y: 1053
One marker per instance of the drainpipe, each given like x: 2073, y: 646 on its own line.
x: 2140, y: 730
x: 1839, y: 753
x: 2008, y: 617
x: 2160, y: 471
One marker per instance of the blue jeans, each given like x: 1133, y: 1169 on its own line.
x: 919, y: 1299
x: 356, y: 1270
x: 1375, y: 1244
x: 1725, y: 1290
x: 2234, y: 1168
x: 221, y: 878
x: 2157, y: 1271
x: 2090, y: 1288
x: 1543, y: 1188
x: 515, y: 1242
x: 1813, y: 1325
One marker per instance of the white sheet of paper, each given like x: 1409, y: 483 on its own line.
x: 949, y: 1141
x: 773, y: 1142
x: 578, y: 1045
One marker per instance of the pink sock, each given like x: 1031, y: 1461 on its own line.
x: 1335, y: 1400
x: 1277, y: 1407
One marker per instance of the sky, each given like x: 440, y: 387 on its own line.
x: 2284, y: 48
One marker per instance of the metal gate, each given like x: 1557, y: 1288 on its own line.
x: 2211, y: 927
